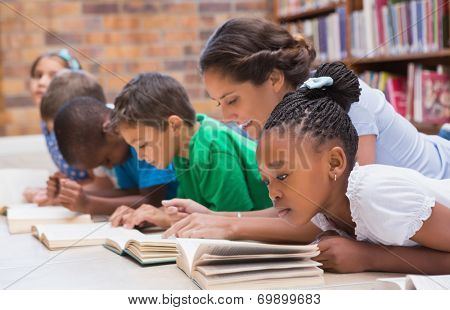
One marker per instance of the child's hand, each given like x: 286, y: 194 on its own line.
x: 116, y: 218
x: 145, y: 215
x: 199, y: 225
x: 342, y: 255
x: 72, y: 196
x: 53, y: 185
x: 41, y: 199
x: 177, y: 209
x: 30, y: 192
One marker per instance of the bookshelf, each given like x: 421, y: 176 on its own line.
x: 321, y: 10
x: 399, y: 39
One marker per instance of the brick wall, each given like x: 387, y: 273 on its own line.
x: 112, y: 39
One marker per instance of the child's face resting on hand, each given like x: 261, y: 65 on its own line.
x: 299, y: 173
x: 156, y: 146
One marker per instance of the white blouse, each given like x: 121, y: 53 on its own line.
x: 398, y: 143
x: 389, y: 204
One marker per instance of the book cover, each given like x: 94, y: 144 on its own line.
x: 435, y: 97
x: 396, y: 88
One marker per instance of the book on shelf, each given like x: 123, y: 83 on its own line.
x: 431, y: 96
x: 395, y: 27
x: 13, y: 182
x: 20, y: 219
x: 415, y: 282
x: 326, y: 33
x: 148, y: 249
x: 423, y: 96
x: 223, y: 264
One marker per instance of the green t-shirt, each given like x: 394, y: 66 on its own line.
x: 221, y: 172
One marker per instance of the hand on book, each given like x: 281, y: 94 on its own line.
x: 342, y: 255
x: 198, y: 225
x: 178, y: 209
x: 143, y: 216
x: 72, y: 196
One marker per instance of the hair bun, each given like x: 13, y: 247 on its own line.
x: 345, y: 89
x: 302, y: 43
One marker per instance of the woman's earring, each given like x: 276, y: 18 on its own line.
x: 335, y: 177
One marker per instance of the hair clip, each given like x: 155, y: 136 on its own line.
x: 318, y: 82
x: 73, y: 63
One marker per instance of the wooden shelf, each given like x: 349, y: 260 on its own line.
x: 443, y: 56
x: 330, y: 8
x: 395, y: 64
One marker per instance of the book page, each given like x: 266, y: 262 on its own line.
x: 21, y: 220
x: 14, y: 181
x: 261, y: 274
x: 3, y: 210
x: 73, y: 232
x: 43, y: 213
x: 390, y: 283
x: 187, y: 247
x: 207, y: 259
x: 248, y: 248
x: 418, y: 282
x: 120, y: 237
x: 193, y: 249
x: 243, y: 267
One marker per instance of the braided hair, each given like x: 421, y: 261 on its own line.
x: 322, y: 113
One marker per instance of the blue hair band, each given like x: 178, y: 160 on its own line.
x: 318, y: 82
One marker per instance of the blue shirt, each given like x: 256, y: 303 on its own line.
x: 135, y: 173
x: 398, y: 141
x: 52, y: 146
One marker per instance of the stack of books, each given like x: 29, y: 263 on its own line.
x: 326, y: 33
x: 399, y: 27
x: 423, y: 96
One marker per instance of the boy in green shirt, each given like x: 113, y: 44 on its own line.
x: 215, y: 166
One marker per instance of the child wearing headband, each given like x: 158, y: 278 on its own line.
x: 43, y: 69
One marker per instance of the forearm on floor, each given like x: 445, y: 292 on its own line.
x: 407, y: 260
x: 272, y: 230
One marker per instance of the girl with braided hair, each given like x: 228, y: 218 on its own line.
x: 307, y: 157
x: 249, y: 65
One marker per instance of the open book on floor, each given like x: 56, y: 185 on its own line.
x: 4, y: 209
x: 59, y: 236
x: 415, y: 282
x: 148, y: 249
x: 20, y: 220
x: 223, y: 264
x: 13, y: 182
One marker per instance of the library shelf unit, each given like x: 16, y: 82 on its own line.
x: 392, y: 63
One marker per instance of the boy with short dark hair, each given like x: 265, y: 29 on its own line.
x: 87, y: 141
x: 215, y: 165
x: 65, y: 85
